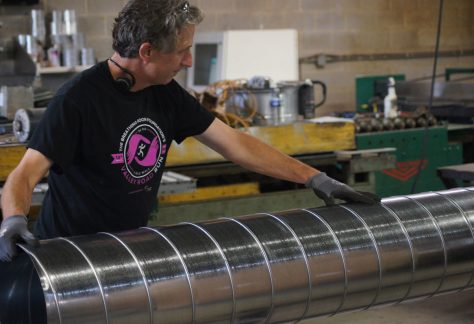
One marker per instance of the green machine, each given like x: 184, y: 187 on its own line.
x: 372, y: 89
x: 450, y: 71
x: 417, y: 150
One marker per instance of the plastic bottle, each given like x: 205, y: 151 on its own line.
x: 390, y: 101
x: 275, y: 106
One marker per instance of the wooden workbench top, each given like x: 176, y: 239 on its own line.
x: 292, y: 139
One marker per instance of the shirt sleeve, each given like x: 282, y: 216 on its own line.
x: 191, y: 118
x: 58, y: 132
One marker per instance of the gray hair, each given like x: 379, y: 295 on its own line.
x: 155, y: 21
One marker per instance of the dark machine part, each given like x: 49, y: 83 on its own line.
x: 451, y: 100
x: 399, y: 123
x: 306, y: 98
x: 16, y: 66
x: 376, y: 124
x: 262, y: 268
x: 410, y: 123
x: 368, y: 124
x: 387, y: 124
x: 25, y: 122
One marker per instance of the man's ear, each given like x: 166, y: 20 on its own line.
x: 145, y: 51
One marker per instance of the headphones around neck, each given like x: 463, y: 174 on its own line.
x: 123, y: 82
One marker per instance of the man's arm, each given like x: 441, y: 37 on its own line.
x: 253, y: 154
x: 18, y: 189
x: 16, y: 201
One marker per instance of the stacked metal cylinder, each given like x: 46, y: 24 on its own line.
x: 278, y: 267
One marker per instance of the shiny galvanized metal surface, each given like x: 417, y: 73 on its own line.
x: 262, y: 268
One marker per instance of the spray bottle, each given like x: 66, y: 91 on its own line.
x: 390, y: 100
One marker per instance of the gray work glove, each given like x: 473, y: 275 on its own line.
x: 12, y: 229
x: 329, y: 189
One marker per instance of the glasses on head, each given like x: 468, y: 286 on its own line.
x: 181, y: 14
x: 185, y: 8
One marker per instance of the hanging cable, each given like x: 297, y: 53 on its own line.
x: 424, y: 147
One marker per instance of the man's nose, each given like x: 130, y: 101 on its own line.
x: 187, y: 60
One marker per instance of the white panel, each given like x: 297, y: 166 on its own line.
x: 206, y: 38
x: 244, y: 54
x: 272, y: 53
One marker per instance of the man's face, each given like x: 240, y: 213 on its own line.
x: 165, y: 66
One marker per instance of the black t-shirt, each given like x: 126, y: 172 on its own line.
x: 109, y: 149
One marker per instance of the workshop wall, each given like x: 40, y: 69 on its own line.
x: 336, y: 27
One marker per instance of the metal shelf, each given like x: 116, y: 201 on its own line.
x: 63, y: 69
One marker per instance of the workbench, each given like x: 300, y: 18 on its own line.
x: 453, y: 174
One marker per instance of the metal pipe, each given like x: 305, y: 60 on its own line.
x: 267, y: 267
x: 321, y: 59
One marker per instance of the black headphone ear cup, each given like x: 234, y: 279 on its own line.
x: 125, y: 84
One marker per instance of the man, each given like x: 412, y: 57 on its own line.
x: 105, y: 135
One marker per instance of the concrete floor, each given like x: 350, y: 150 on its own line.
x: 456, y: 308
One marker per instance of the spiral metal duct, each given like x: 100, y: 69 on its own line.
x: 279, y: 267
